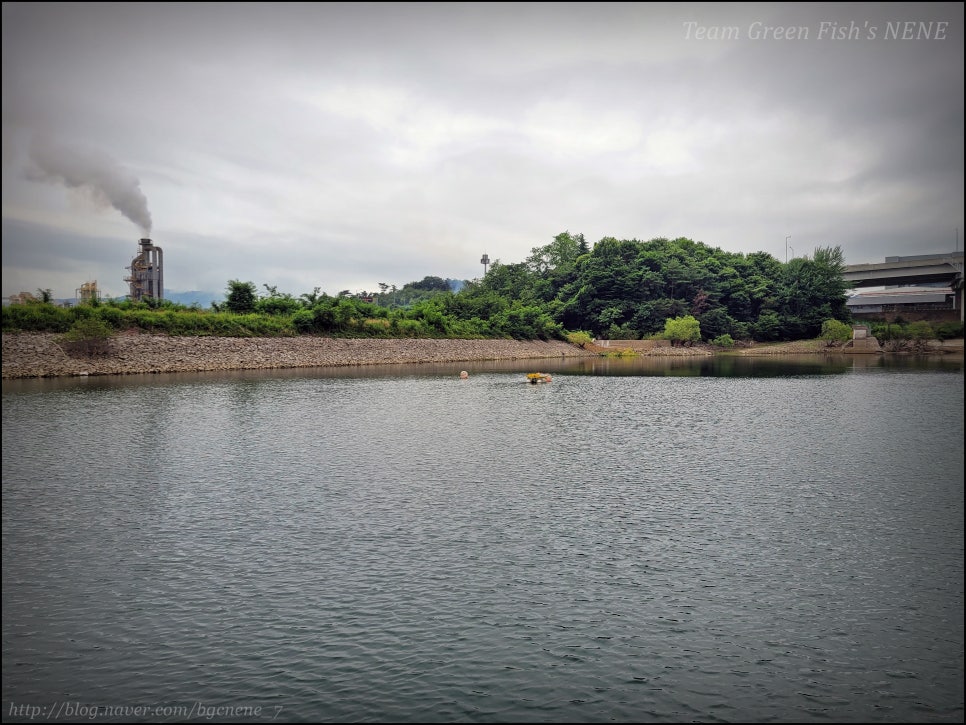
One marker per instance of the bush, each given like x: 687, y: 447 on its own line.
x: 410, y: 328
x: 88, y: 337
x: 621, y: 332
x: 303, y: 321
x: 580, y: 338
x: 375, y: 326
x: 949, y: 330
x: 920, y: 331
x: 886, y: 331
x: 36, y: 317
x: 111, y: 316
x: 835, y: 331
x: 682, y: 330
x: 723, y: 341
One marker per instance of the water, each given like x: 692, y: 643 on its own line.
x: 713, y: 541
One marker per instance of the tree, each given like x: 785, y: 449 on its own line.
x: 311, y: 299
x: 716, y: 322
x: 241, y: 297
x: 45, y: 295
x: 563, y: 251
x: 435, y: 284
x: 768, y: 327
x: 512, y: 281
x: 682, y: 330
x: 813, y: 291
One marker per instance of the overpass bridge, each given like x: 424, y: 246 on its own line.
x: 945, y: 269
x: 925, y: 269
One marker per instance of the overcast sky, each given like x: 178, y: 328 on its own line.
x: 343, y: 145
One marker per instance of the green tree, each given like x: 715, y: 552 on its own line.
x: 512, y: 281
x: 276, y: 303
x: 682, y: 330
x: 561, y: 252
x: 432, y: 284
x: 716, y: 322
x: 768, y: 327
x: 813, y: 291
x: 241, y: 297
x: 310, y: 299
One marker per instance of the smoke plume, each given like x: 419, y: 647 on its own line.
x: 102, y: 177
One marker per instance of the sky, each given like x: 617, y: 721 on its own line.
x: 341, y: 146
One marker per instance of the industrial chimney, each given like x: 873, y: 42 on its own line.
x: 147, y: 274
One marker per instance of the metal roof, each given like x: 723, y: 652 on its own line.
x: 900, y: 296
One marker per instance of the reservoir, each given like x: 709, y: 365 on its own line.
x: 660, y: 540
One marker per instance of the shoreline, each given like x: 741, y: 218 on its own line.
x: 38, y: 354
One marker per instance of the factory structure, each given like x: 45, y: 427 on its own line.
x: 87, y: 293
x: 147, y: 272
x: 145, y: 280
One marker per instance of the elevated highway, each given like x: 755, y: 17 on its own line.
x: 945, y: 269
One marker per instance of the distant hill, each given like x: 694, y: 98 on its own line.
x: 202, y: 299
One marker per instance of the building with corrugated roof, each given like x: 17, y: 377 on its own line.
x: 933, y: 304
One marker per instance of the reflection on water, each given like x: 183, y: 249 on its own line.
x: 734, y: 365
x: 646, y: 539
x: 721, y: 365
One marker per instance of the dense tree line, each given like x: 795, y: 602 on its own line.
x: 628, y: 289
x: 617, y: 289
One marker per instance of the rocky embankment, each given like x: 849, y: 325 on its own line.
x: 33, y: 355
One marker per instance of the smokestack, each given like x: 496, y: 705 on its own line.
x: 102, y: 177
x: 147, y: 272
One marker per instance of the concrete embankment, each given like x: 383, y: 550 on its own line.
x: 32, y: 355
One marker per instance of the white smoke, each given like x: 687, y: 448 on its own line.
x: 102, y: 177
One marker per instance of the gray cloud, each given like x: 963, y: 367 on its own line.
x: 343, y: 145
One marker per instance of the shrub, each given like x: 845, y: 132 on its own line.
x: 303, y: 321
x: 682, y: 330
x: 949, y: 330
x: 36, y: 317
x: 835, y: 331
x: 886, y: 331
x: 723, y: 341
x: 579, y: 338
x: 920, y: 330
x: 410, y: 328
x: 375, y: 326
x: 111, y: 316
x: 88, y: 336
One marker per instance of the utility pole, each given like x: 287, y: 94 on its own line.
x: 786, y: 247
x: 485, y: 261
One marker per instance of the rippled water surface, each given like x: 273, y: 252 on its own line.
x: 676, y: 543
